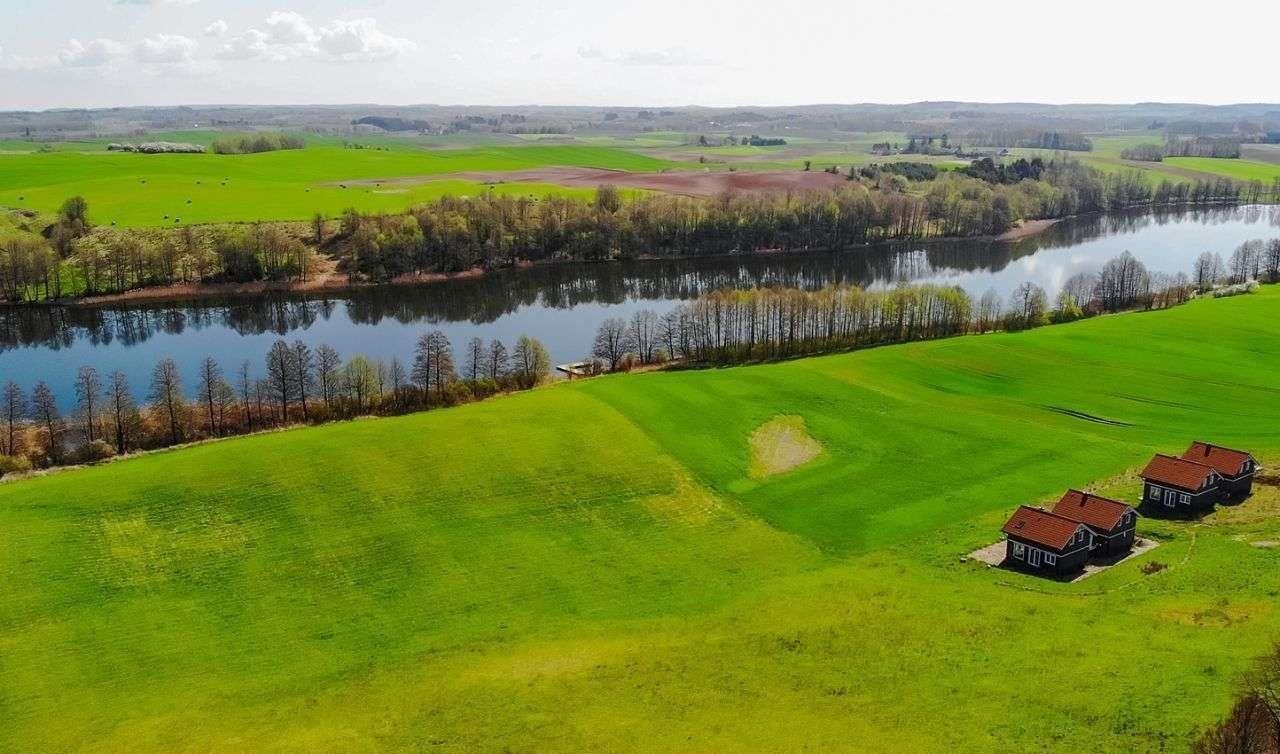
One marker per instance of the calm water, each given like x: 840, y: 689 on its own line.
x: 563, y: 304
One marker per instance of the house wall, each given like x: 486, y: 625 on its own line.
x: 1194, y: 502
x: 1066, y: 562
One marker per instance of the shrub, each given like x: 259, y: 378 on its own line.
x: 14, y: 464
x: 97, y: 450
x: 1154, y: 566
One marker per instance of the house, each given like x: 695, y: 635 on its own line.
x: 1045, y: 542
x: 1235, y: 466
x: 1112, y: 523
x: 1179, y: 487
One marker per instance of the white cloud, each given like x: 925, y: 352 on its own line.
x: 287, y: 27
x: 165, y: 48
x: 216, y: 29
x: 289, y: 36
x: 251, y: 44
x: 148, y: 3
x: 591, y: 53
x: 95, y: 52
x: 360, y: 39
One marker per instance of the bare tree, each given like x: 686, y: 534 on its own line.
x: 279, y: 376
x: 44, y: 411
x: 1081, y: 287
x: 246, y: 392
x: 990, y: 309
x: 497, y: 361
x: 15, y: 408
x: 1029, y: 305
x: 398, y: 378
x: 612, y: 342
x: 1208, y: 270
x: 475, y: 359
x: 1271, y: 258
x: 166, y: 395
x: 327, y: 363
x: 124, y: 412
x: 210, y: 379
x: 433, y: 362
x: 303, y: 372
x: 642, y: 334
x: 88, y: 392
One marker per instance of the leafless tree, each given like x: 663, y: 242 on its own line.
x: 612, y: 342
x: 497, y: 363
x: 166, y: 395
x: 280, y: 376
x: 433, y: 362
x: 88, y: 393
x: 642, y: 334
x: 210, y: 379
x: 475, y: 368
x: 15, y: 408
x: 124, y: 412
x: 304, y: 378
x: 44, y: 411
x: 327, y: 363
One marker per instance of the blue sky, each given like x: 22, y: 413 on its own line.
x: 95, y: 53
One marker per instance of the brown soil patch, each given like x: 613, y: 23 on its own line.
x: 1025, y: 229
x: 700, y: 183
x: 779, y: 445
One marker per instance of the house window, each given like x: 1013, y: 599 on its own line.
x: 1050, y: 559
x: 1019, y: 551
x: 1185, y: 499
x: 1155, y: 493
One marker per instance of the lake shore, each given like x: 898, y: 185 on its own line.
x: 329, y: 280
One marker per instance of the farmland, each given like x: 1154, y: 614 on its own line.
x: 149, y: 190
x: 389, y: 173
x: 602, y: 566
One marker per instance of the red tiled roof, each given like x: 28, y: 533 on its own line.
x: 1041, y: 527
x: 1099, y: 512
x: 1226, y: 461
x: 1187, y: 475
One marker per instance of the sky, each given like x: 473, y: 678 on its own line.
x: 105, y: 53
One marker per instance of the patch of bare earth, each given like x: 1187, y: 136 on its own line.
x: 699, y: 183
x: 780, y: 445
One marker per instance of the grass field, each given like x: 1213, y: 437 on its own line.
x: 149, y: 190
x: 599, y: 566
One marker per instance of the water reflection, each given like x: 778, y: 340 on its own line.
x: 563, y: 303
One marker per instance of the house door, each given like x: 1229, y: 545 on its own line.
x: 1170, y: 497
x: 1033, y: 557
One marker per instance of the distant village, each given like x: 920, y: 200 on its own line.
x: 1083, y: 528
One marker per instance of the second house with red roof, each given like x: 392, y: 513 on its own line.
x: 1061, y: 541
x: 1194, y: 482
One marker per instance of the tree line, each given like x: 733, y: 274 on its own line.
x: 453, y: 234
x: 257, y: 143
x: 736, y: 326
x: 296, y: 384
x: 79, y: 260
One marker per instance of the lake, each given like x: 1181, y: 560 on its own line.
x: 562, y: 304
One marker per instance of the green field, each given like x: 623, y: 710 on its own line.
x: 150, y: 190
x: 591, y: 567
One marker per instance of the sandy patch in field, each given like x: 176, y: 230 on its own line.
x: 702, y: 183
x: 779, y: 445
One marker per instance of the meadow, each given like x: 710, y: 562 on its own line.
x: 152, y: 190
x: 391, y: 172
x: 600, y: 565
